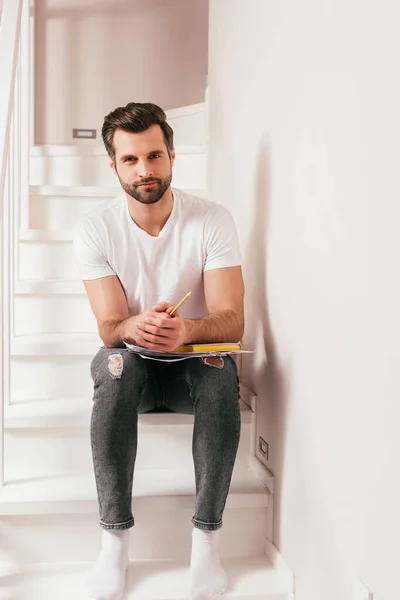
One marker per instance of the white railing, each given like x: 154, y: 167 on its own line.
x: 14, y: 173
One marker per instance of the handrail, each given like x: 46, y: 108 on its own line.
x: 10, y: 29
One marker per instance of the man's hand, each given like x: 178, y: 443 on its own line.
x: 157, y: 330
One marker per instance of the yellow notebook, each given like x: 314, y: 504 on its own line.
x: 221, y: 347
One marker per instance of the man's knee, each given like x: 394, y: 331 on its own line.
x: 214, y: 361
x: 216, y: 373
x: 116, y: 363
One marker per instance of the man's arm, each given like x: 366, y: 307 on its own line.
x: 108, y: 302
x: 224, y: 292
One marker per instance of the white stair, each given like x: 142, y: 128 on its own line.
x: 49, y: 532
x: 53, y: 287
x: 55, y: 207
x: 37, y: 512
x: 250, y: 578
x: 45, y: 248
x: 164, y: 439
x: 154, y: 489
x: 56, y: 344
x: 89, y: 166
x: 75, y: 412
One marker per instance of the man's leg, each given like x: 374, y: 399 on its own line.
x: 120, y: 379
x: 213, y: 387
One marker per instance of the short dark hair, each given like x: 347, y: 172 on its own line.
x: 135, y: 117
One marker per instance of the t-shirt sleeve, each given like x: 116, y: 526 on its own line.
x: 221, y: 240
x: 88, y: 249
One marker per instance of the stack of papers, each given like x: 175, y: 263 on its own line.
x: 185, y: 352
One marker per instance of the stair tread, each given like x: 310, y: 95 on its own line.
x: 64, y: 343
x: 53, y: 337
x: 153, y: 489
x: 99, y: 150
x: 45, y: 235
x: 70, y: 412
x: 250, y: 578
x: 49, y: 286
x: 95, y: 191
x: 78, y: 344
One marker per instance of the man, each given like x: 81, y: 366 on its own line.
x: 139, y: 254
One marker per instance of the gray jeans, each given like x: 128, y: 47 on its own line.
x: 126, y: 384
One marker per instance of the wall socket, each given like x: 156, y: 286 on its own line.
x: 84, y: 133
x: 263, y: 447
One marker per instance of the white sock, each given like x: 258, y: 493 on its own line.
x: 207, y: 577
x: 106, y: 579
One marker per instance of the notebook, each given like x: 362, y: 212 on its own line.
x: 188, y: 351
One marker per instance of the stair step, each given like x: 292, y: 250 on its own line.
x: 90, y: 191
x: 56, y: 344
x: 250, y: 578
x: 61, y: 344
x: 45, y: 235
x: 49, y: 286
x: 99, y: 150
x: 40, y: 313
x: 165, y: 439
x: 75, y: 412
x: 89, y: 166
x: 55, y: 207
x: 153, y: 490
x: 77, y: 191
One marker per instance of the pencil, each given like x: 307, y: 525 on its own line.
x: 179, y: 304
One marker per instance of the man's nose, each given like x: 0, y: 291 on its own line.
x: 145, y: 168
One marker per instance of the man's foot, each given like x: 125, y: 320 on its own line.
x: 106, y: 580
x: 207, y: 578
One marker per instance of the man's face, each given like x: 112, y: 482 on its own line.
x: 142, y: 164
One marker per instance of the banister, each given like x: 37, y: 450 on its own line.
x: 10, y: 28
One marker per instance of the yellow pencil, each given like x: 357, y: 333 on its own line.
x: 179, y: 304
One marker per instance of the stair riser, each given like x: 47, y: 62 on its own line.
x: 53, y: 314
x: 68, y: 450
x: 189, y: 129
x: 62, y: 212
x: 156, y: 535
x: 47, y: 260
x: 54, y: 212
x: 189, y: 171
x: 51, y: 377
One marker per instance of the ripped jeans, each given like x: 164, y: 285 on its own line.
x: 126, y: 384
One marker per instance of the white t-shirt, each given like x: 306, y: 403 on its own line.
x: 199, y: 235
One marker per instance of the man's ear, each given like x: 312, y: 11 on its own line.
x: 112, y: 165
x: 172, y: 157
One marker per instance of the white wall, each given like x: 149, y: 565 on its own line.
x: 94, y: 55
x: 305, y: 134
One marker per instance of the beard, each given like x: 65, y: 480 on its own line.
x: 145, y: 195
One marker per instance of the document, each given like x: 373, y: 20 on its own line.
x: 186, y: 352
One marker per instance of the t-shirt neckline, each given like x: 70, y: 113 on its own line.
x: 167, y: 226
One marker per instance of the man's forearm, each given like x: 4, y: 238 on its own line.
x: 221, y: 326
x: 115, y: 332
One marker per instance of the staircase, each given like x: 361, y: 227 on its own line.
x: 49, y: 532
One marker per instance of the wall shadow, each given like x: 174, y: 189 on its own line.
x: 264, y: 371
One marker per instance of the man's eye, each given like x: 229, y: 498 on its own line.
x: 155, y: 156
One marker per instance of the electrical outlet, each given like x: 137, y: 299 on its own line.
x: 84, y: 133
x: 263, y: 447
x: 362, y: 592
